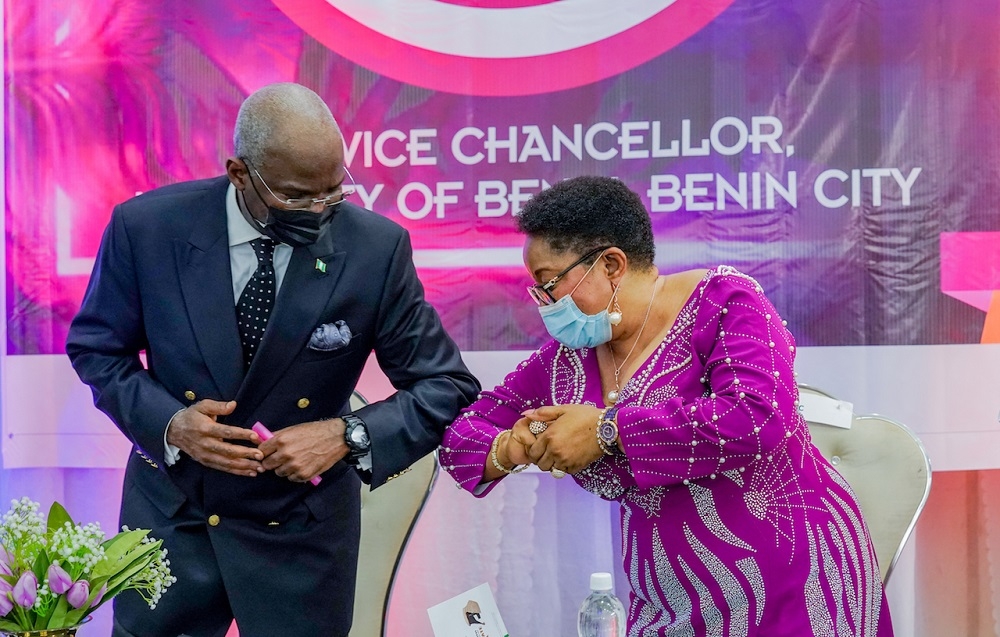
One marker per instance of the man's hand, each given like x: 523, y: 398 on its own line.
x: 196, y: 432
x: 570, y: 441
x: 303, y: 451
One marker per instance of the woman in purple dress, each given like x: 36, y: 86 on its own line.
x: 675, y: 395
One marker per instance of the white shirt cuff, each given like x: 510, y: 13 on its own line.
x: 171, y: 454
x: 365, y: 462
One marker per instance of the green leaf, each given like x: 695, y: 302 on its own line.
x: 75, y: 615
x: 143, y: 554
x: 9, y: 626
x: 131, y: 564
x: 95, y: 585
x: 58, y: 516
x: 41, y: 566
x: 124, y: 542
x: 115, y: 549
x: 125, y: 538
x: 58, y: 617
x: 124, y: 576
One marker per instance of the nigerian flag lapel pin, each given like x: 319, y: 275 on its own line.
x: 321, y: 265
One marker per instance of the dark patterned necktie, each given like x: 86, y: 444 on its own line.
x: 257, y: 300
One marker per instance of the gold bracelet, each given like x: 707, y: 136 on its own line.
x: 496, y: 461
x: 600, y: 443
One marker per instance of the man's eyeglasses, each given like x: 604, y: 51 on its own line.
x: 541, y: 293
x: 308, y: 203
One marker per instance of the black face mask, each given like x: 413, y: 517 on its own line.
x: 296, y: 228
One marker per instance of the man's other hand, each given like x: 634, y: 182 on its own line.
x: 303, y: 451
x: 196, y: 432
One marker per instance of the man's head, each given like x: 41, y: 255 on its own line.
x: 288, y: 147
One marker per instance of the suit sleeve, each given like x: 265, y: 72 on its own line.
x: 424, y: 365
x: 104, y: 342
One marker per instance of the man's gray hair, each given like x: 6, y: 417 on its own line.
x: 267, y: 109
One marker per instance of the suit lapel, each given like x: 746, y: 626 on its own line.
x: 206, y: 283
x: 306, y: 290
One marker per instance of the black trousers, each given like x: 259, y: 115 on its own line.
x: 294, y: 576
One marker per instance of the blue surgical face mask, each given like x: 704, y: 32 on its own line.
x: 567, y: 323
x: 570, y: 326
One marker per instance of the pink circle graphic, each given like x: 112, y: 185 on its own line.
x: 475, y: 56
x: 498, y: 4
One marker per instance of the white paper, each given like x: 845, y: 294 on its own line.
x: 474, y: 613
x: 825, y: 410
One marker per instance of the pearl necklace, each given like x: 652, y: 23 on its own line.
x: 614, y: 394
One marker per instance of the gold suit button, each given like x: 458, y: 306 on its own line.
x: 213, y: 520
x: 189, y: 395
x: 303, y: 403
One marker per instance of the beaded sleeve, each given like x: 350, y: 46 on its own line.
x: 466, y: 445
x: 744, y: 355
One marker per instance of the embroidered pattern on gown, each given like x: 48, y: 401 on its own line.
x: 733, y: 525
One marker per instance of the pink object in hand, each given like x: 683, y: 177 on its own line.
x: 265, y: 434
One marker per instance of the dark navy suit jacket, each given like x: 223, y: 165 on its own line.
x: 162, y: 284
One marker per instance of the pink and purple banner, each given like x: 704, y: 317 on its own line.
x: 845, y: 153
x: 823, y: 147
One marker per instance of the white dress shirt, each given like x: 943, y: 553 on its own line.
x: 242, y: 264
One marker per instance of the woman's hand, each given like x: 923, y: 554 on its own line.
x: 570, y: 441
x: 520, y: 441
x: 511, y: 450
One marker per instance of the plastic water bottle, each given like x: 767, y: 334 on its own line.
x: 601, y: 614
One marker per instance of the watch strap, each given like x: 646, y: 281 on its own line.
x: 607, y: 430
x: 356, y: 451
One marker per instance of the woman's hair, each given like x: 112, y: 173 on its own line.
x: 583, y: 213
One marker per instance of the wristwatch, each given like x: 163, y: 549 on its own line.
x: 356, y: 438
x: 607, y: 431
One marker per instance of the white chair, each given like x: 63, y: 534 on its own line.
x: 883, y: 461
x: 388, y: 515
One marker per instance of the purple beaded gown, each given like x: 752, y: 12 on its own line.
x: 732, y: 523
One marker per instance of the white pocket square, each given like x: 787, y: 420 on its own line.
x: 330, y: 336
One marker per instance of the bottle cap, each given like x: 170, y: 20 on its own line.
x: 601, y: 582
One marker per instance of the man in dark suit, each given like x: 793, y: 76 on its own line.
x: 258, y: 296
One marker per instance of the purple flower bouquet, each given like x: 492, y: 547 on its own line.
x: 55, y: 572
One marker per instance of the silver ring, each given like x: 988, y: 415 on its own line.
x: 557, y: 473
x: 537, y: 426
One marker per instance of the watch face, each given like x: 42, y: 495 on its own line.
x: 359, y: 436
x: 608, y: 432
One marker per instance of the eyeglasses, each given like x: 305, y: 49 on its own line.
x: 308, y: 203
x: 541, y: 293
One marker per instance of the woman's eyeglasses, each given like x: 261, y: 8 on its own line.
x: 541, y: 293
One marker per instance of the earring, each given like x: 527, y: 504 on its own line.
x: 615, y: 315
